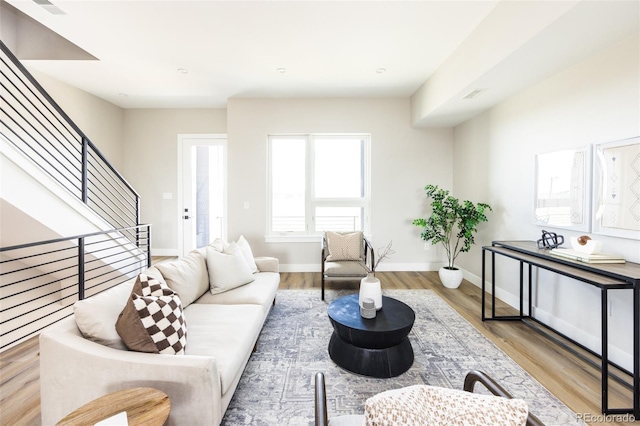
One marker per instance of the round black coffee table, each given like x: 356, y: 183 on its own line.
x: 377, y: 347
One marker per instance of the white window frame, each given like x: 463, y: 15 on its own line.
x: 311, y: 202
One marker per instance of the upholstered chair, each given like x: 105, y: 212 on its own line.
x: 345, y: 255
x: 428, y: 405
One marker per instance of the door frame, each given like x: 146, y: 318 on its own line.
x: 182, y: 137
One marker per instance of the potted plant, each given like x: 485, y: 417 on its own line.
x: 453, y: 224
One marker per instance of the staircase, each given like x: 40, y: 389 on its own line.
x: 70, y: 223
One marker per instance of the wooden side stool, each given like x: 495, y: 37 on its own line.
x: 144, y: 407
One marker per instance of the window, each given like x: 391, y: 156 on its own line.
x: 318, y: 183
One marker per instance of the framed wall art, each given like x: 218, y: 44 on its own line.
x: 562, y: 189
x: 616, y: 189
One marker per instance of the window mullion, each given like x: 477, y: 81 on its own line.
x: 319, y: 213
x: 310, y: 187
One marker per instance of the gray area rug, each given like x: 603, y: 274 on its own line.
x: 277, y: 387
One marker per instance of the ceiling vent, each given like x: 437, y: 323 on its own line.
x: 49, y: 7
x: 474, y: 93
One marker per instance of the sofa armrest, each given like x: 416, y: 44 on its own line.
x: 267, y: 264
x: 74, y: 371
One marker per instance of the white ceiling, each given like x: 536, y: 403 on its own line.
x: 328, y: 48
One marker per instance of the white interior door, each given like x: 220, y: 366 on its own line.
x: 202, y: 164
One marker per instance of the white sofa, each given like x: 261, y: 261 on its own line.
x: 222, y: 333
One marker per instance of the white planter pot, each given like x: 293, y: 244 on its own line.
x: 370, y: 288
x: 450, y: 278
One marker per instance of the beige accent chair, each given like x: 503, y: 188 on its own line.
x: 339, y: 262
x: 473, y: 377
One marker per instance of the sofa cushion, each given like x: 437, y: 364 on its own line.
x: 227, y: 270
x: 96, y: 316
x: 261, y: 291
x: 227, y: 333
x: 186, y: 276
x: 247, y: 253
x: 430, y: 405
x: 351, y: 268
x: 154, y: 324
x: 344, y: 246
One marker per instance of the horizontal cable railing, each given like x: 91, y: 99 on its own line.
x: 323, y: 223
x: 36, y: 126
x: 40, y: 282
x: 337, y: 223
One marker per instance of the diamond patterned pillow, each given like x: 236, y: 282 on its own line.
x: 148, y: 286
x: 153, y: 320
x: 344, y: 246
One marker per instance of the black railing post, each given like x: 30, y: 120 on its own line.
x: 85, y: 170
x: 148, y: 246
x: 80, y: 268
x: 137, y: 221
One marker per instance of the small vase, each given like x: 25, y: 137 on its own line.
x: 450, y: 278
x: 370, y: 288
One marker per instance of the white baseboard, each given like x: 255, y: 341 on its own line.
x: 430, y: 266
x: 299, y: 267
x: 163, y: 252
x: 585, y: 338
x: 315, y: 267
x: 592, y: 342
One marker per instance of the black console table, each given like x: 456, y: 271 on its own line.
x: 609, y: 276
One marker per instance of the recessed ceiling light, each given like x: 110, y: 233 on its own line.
x: 381, y: 70
x: 183, y: 70
x: 281, y: 70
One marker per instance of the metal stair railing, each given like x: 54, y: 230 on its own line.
x: 36, y: 125
x: 40, y: 281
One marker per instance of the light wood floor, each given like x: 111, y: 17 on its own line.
x: 572, y: 380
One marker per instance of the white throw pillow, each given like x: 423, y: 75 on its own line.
x: 247, y: 253
x: 219, y: 244
x: 186, y: 276
x: 227, y: 270
x: 96, y: 316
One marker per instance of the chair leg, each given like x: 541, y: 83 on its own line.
x: 322, y: 292
x: 321, y: 418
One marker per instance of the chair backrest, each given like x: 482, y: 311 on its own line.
x: 495, y: 388
x: 345, y: 245
x: 473, y: 377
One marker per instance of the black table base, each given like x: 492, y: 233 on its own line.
x: 377, y: 347
x: 380, y: 363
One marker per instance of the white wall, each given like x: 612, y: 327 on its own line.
x: 403, y: 161
x: 593, y: 102
x: 100, y: 120
x: 151, y: 164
